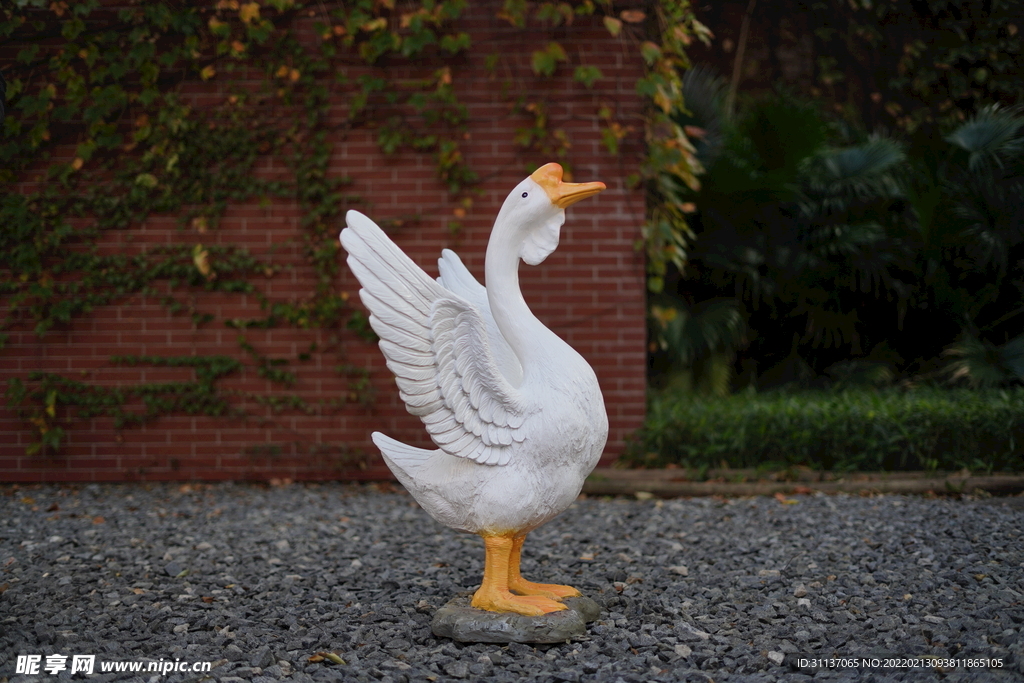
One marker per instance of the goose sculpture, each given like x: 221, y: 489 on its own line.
x: 517, y: 415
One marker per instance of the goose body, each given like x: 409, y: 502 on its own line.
x: 517, y: 414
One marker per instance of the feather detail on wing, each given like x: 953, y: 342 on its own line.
x: 457, y: 278
x: 436, y: 342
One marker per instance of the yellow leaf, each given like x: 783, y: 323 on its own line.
x: 664, y: 314
x: 238, y: 46
x: 294, y: 75
x: 406, y: 19
x: 695, y: 132
x: 215, y: 23
x: 77, y: 164
x: 662, y: 101
x: 249, y: 11
x: 208, y: 72
x: 632, y: 16
x: 376, y: 24
x: 201, y: 259
x: 613, y: 25
x: 227, y: 4
x: 445, y: 76
x: 282, y: 71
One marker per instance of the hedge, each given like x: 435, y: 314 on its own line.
x: 890, y: 430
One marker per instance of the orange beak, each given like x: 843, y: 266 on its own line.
x: 563, y: 195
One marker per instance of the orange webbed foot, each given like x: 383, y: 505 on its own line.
x: 552, y: 591
x: 505, y: 601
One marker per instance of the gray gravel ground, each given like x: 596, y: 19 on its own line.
x: 258, y: 580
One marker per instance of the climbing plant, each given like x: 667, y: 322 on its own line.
x: 100, y: 136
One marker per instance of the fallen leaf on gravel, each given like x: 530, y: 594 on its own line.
x: 98, y: 520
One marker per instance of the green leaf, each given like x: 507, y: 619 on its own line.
x: 146, y: 180
x: 27, y: 54
x: 455, y: 42
x: 651, y: 52
x: 587, y: 75
x: 546, y: 61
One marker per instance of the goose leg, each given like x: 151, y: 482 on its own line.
x: 494, y: 595
x: 517, y: 583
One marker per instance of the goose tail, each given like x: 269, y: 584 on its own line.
x: 407, y: 462
x: 423, y: 474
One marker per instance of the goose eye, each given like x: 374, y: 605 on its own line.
x: 524, y: 195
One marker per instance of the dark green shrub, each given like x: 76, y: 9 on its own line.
x: 922, y: 429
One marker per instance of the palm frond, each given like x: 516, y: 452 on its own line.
x: 835, y: 179
x: 843, y: 239
x: 984, y: 364
x: 870, y: 159
x: 990, y: 138
x: 990, y: 214
x: 690, y: 334
x: 828, y: 328
x: 704, y: 113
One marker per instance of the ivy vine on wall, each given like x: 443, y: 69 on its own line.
x: 104, y: 80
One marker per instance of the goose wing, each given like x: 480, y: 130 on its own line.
x: 436, y: 343
x: 456, y: 278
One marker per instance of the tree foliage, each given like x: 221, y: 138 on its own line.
x: 857, y: 257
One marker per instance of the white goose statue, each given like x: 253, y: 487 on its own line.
x: 517, y: 414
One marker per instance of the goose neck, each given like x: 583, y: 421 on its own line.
x: 517, y: 323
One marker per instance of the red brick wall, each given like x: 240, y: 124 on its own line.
x: 590, y: 291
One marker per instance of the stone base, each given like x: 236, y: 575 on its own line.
x: 460, y: 621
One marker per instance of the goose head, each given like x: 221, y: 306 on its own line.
x: 534, y: 211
